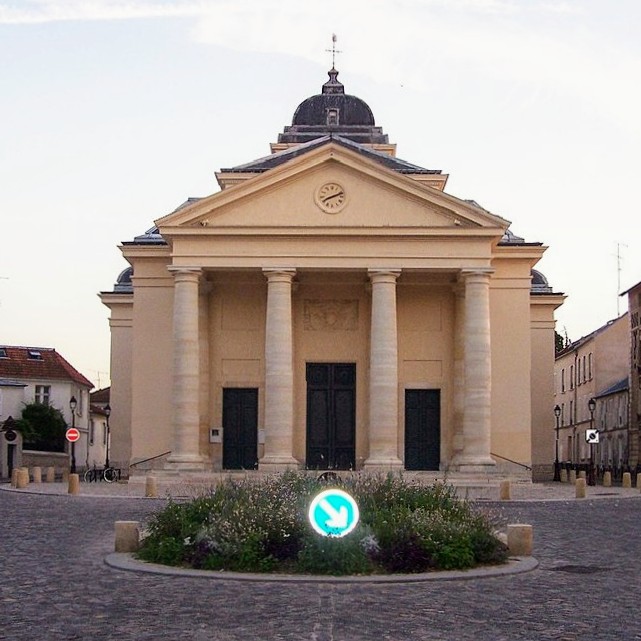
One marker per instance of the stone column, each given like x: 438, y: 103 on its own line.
x: 279, y: 372
x: 458, y: 441
x: 478, y: 373
x: 383, y: 372
x: 185, y: 451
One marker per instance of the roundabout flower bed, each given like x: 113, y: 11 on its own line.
x: 261, y: 526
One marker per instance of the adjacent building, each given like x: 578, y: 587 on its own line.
x: 42, y: 375
x: 595, y: 367
x: 332, y: 307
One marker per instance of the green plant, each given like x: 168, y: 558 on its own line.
x: 43, y: 428
x: 262, y: 526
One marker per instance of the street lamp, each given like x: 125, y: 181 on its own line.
x: 73, y: 403
x: 107, y: 411
x: 592, y: 475
x: 557, y: 466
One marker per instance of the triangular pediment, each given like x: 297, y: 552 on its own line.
x: 331, y: 187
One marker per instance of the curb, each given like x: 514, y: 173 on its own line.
x: 516, y: 565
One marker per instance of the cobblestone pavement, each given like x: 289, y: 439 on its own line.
x: 54, y: 585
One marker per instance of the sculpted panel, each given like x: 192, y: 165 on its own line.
x: 330, y: 315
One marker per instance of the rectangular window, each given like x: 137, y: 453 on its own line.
x: 578, y: 372
x: 584, y: 373
x: 571, y: 376
x: 43, y: 394
x: 562, y: 413
x: 104, y: 433
x: 3, y: 352
x: 571, y: 412
x: 92, y: 431
x: 590, y: 365
x: 563, y: 380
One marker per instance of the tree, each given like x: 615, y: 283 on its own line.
x: 43, y: 428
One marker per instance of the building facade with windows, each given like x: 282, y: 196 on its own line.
x: 42, y: 375
x: 332, y: 307
x: 634, y: 310
x: 595, y: 366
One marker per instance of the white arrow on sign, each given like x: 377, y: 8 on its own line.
x: 337, y: 518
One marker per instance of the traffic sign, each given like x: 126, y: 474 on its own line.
x: 592, y: 436
x: 72, y: 434
x: 333, y: 513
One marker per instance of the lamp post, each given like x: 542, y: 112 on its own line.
x: 557, y: 466
x: 591, y: 475
x: 73, y: 403
x: 107, y: 411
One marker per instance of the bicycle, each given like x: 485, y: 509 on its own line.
x: 108, y: 474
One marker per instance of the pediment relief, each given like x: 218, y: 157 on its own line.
x: 332, y: 188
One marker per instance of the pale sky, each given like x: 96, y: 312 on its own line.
x: 114, y: 112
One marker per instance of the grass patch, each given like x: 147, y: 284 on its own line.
x: 261, y: 526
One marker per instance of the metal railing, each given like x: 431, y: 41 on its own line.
x: 151, y: 458
x: 509, y: 460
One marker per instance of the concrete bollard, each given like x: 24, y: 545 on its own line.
x: 151, y: 487
x: 504, y: 491
x: 74, y: 484
x: 22, y: 480
x: 127, y: 537
x: 573, y: 477
x: 50, y: 475
x: 627, y: 480
x: 580, y: 488
x: 520, y: 539
x: 14, y: 476
x: 583, y: 474
x: 607, y: 479
x: 564, y: 475
x: 37, y: 474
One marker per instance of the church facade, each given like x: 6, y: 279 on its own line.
x: 332, y: 307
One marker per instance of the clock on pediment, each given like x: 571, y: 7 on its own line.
x: 331, y: 197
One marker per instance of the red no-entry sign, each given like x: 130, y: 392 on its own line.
x: 72, y: 434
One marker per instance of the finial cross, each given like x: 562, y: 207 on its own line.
x: 333, y: 50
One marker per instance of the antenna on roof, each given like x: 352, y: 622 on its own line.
x: 619, y: 270
x: 333, y: 50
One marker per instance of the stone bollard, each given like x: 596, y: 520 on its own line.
x: 22, y: 480
x: 573, y: 477
x: 50, y: 475
x: 14, y: 476
x: 519, y: 539
x: 127, y: 536
x: 607, y: 479
x: 627, y: 480
x: 580, y: 488
x: 37, y: 474
x: 74, y: 484
x: 151, y: 487
x: 564, y: 475
x: 583, y: 474
x: 504, y: 492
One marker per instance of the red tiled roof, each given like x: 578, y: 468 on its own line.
x: 101, y: 395
x: 38, y: 363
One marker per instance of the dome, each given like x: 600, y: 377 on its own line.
x: 540, y: 283
x: 333, y: 112
x: 123, y: 282
x: 333, y: 107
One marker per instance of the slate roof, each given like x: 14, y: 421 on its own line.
x: 619, y: 386
x: 274, y: 160
x: 40, y: 363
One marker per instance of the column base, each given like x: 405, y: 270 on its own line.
x: 474, y: 464
x: 278, y: 464
x: 186, y: 463
x: 383, y: 464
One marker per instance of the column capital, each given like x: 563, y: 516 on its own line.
x: 188, y: 272
x: 279, y: 274
x: 383, y: 275
x: 482, y: 272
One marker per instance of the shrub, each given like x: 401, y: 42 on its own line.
x: 262, y: 526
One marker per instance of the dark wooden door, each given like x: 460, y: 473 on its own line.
x: 240, y: 428
x: 331, y: 416
x: 422, y: 429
